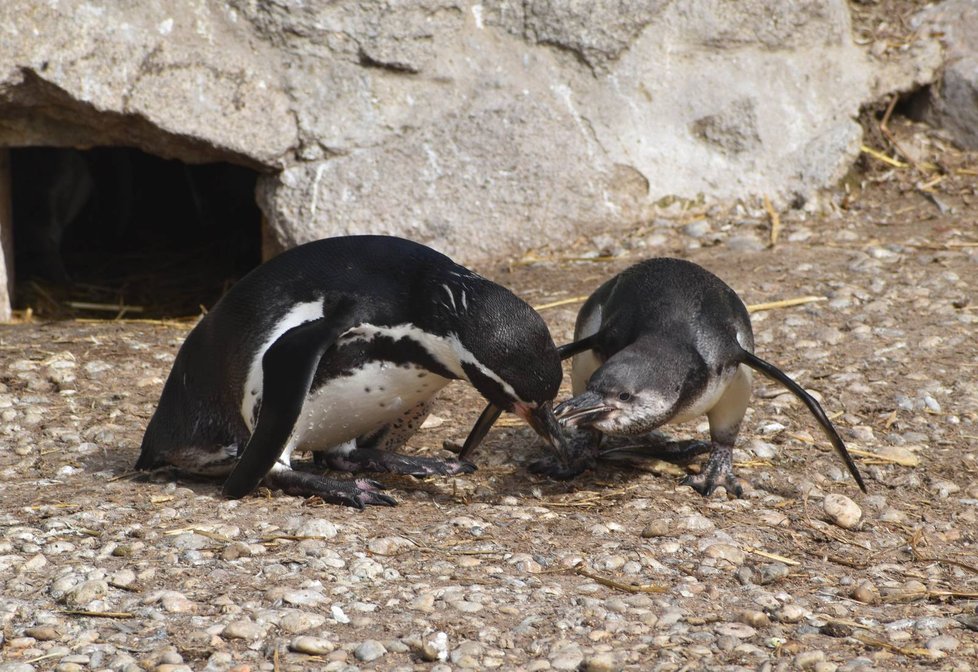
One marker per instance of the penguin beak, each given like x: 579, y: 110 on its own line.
x: 541, y: 419
x: 583, y: 410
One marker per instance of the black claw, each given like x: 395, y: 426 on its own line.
x: 717, y: 471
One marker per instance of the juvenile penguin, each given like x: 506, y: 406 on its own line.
x: 663, y: 342
x: 339, y: 346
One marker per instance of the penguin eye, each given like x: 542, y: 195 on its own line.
x: 624, y: 396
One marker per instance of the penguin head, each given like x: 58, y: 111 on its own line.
x: 507, y: 354
x: 632, y: 393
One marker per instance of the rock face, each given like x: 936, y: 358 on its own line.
x: 479, y: 128
x: 953, y: 103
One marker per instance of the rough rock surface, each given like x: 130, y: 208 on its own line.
x: 481, y: 128
x: 952, y: 103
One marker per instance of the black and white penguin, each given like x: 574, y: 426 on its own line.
x: 663, y: 342
x: 339, y: 346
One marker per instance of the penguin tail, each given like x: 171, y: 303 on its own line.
x: 776, y: 374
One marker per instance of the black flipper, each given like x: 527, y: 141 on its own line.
x: 774, y: 373
x: 577, y: 347
x: 288, y: 367
x: 482, y: 426
x: 491, y: 413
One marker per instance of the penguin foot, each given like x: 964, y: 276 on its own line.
x: 357, y: 493
x: 373, y: 459
x: 717, y: 471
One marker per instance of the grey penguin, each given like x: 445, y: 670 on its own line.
x: 338, y: 346
x: 663, y: 342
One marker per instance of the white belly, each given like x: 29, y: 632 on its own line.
x: 350, y: 406
x: 715, y: 393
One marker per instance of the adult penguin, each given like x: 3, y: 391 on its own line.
x: 339, y: 346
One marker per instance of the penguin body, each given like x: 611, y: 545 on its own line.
x: 339, y: 346
x: 666, y: 341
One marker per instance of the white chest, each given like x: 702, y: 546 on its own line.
x: 350, y: 406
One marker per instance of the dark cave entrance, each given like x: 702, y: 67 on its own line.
x: 113, y: 231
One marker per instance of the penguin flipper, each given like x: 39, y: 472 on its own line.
x: 481, y: 427
x: 776, y: 374
x: 577, y: 347
x: 288, y: 367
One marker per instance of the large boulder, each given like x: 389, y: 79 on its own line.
x: 479, y: 127
x: 952, y: 102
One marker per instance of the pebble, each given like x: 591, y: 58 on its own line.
x: 772, y: 572
x: 731, y: 554
x: 944, y: 643
x: 243, y: 629
x: 369, y: 651
x: 389, y: 545
x: 753, y: 618
x: 866, y: 592
x: 807, y: 660
x: 434, y: 647
x: 301, y: 621
x: 86, y: 592
x: 312, y: 646
x: 317, y: 528
x: 660, y: 527
x: 603, y: 662
x: 696, y: 523
x: 566, y: 656
x: 842, y: 511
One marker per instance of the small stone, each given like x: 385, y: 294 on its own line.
x: 753, y: 618
x: 389, y: 545
x: 771, y: 572
x: 424, y: 602
x: 317, y: 528
x: 697, y: 229
x: 85, y: 592
x: 434, y: 648
x: 660, y: 527
x: 790, y: 613
x: 177, y: 603
x: 842, y: 511
x: 738, y: 630
x: 826, y: 666
x: 566, y: 656
x: 866, y: 592
x: 43, y: 633
x: 943, y: 643
x: 124, y: 578
x: 807, y: 660
x: 303, y: 598
x: 696, y: 523
x: 243, y: 629
x: 603, y: 662
x: 369, y: 651
x: 301, y: 621
x: 969, y: 621
x: 731, y: 554
x: 835, y: 629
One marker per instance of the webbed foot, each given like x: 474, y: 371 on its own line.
x: 357, y: 492
x: 374, y: 459
x: 717, y: 471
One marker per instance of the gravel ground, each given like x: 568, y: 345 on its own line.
x: 621, y: 569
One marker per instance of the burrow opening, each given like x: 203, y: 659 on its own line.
x: 114, y: 231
